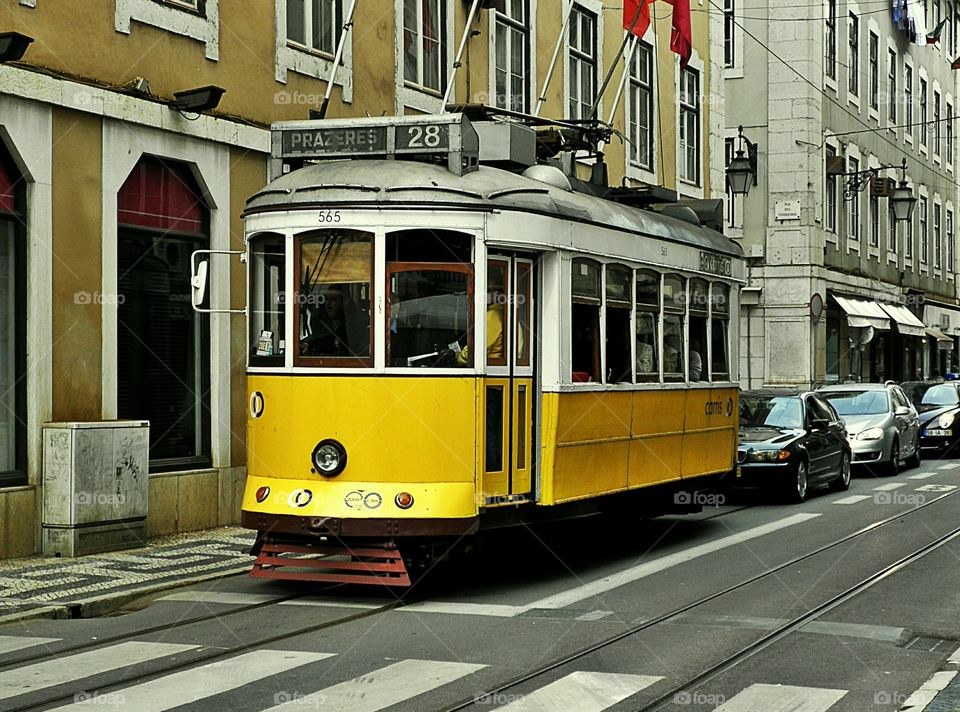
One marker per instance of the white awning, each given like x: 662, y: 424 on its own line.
x: 944, y: 342
x: 862, y: 313
x: 907, y: 323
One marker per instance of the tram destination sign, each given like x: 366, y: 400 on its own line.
x: 398, y: 137
x: 334, y: 141
x: 716, y: 264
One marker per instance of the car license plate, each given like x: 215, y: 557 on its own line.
x: 938, y: 433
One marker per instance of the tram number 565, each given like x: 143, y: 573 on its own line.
x: 330, y: 216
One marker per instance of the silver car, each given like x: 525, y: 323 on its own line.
x: 882, y: 424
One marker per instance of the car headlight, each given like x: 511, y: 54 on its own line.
x: 946, y: 420
x: 329, y: 458
x: 768, y: 455
x: 871, y: 434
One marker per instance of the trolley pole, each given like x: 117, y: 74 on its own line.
x: 463, y: 46
x: 347, y: 26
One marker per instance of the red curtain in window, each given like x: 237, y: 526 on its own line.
x: 161, y: 196
x: 7, y: 202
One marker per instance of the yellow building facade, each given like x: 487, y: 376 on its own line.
x: 105, y: 189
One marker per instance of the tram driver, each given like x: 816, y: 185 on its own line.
x: 336, y: 327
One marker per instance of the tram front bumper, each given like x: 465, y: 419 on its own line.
x: 313, y: 526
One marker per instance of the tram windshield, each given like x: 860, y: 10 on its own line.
x: 334, y: 295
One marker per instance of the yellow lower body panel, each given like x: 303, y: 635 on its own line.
x: 597, y: 443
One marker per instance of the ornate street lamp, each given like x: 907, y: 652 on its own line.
x: 742, y: 169
x: 902, y: 200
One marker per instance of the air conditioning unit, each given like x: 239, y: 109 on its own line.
x: 94, y: 486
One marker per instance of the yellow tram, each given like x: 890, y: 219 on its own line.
x: 439, y: 345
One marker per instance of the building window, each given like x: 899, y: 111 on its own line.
x: 690, y: 126
x: 936, y: 123
x: 853, y: 229
x: 585, y: 321
x: 640, y: 119
x: 874, y: 71
x: 949, y: 132
x: 924, y: 236
x: 924, y: 127
x: 314, y: 24
x: 892, y: 87
x: 195, y: 5
x: 908, y: 100
x: 163, y: 346
x: 729, y: 38
x: 937, y: 241
x: 734, y: 219
x: 874, y: 221
x: 424, y: 43
x: 891, y: 231
x: 950, y: 246
x: 830, y: 196
x: 511, y: 50
x: 853, y: 69
x: 583, y: 62
x: 830, y: 56
x: 13, y: 325
x: 908, y: 239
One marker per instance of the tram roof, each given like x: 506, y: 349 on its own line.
x: 378, y: 182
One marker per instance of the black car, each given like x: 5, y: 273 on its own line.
x: 939, y: 413
x: 791, y: 442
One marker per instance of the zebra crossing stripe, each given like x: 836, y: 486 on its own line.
x: 923, y: 476
x: 381, y: 688
x: 782, y: 698
x: 39, y: 676
x: 948, y: 466
x: 12, y: 643
x: 852, y: 499
x: 183, y: 688
x: 581, y: 691
x: 890, y: 486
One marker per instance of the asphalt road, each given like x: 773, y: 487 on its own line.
x: 850, y: 601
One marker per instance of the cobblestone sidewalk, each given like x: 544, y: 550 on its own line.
x: 94, y: 585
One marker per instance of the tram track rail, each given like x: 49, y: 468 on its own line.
x: 748, y: 651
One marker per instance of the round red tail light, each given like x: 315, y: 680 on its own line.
x: 404, y: 500
x: 262, y: 494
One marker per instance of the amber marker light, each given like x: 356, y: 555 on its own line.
x: 404, y: 500
x: 262, y: 494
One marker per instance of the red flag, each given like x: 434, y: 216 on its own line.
x: 630, y: 9
x: 681, y: 38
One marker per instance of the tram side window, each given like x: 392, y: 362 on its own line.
x: 267, y: 299
x: 585, y: 321
x: 334, y: 297
x: 674, y: 312
x: 618, y: 303
x: 720, y: 331
x: 648, y: 341
x: 698, y: 305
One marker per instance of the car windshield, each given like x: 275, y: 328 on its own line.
x: 859, y: 402
x: 944, y: 394
x: 771, y: 412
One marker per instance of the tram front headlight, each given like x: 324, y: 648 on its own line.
x: 329, y: 458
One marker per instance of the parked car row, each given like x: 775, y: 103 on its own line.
x: 792, y: 442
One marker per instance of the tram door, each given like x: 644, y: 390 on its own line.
x: 509, y: 388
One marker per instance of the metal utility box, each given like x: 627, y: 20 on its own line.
x: 507, y: 145
x: 94, y: 486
